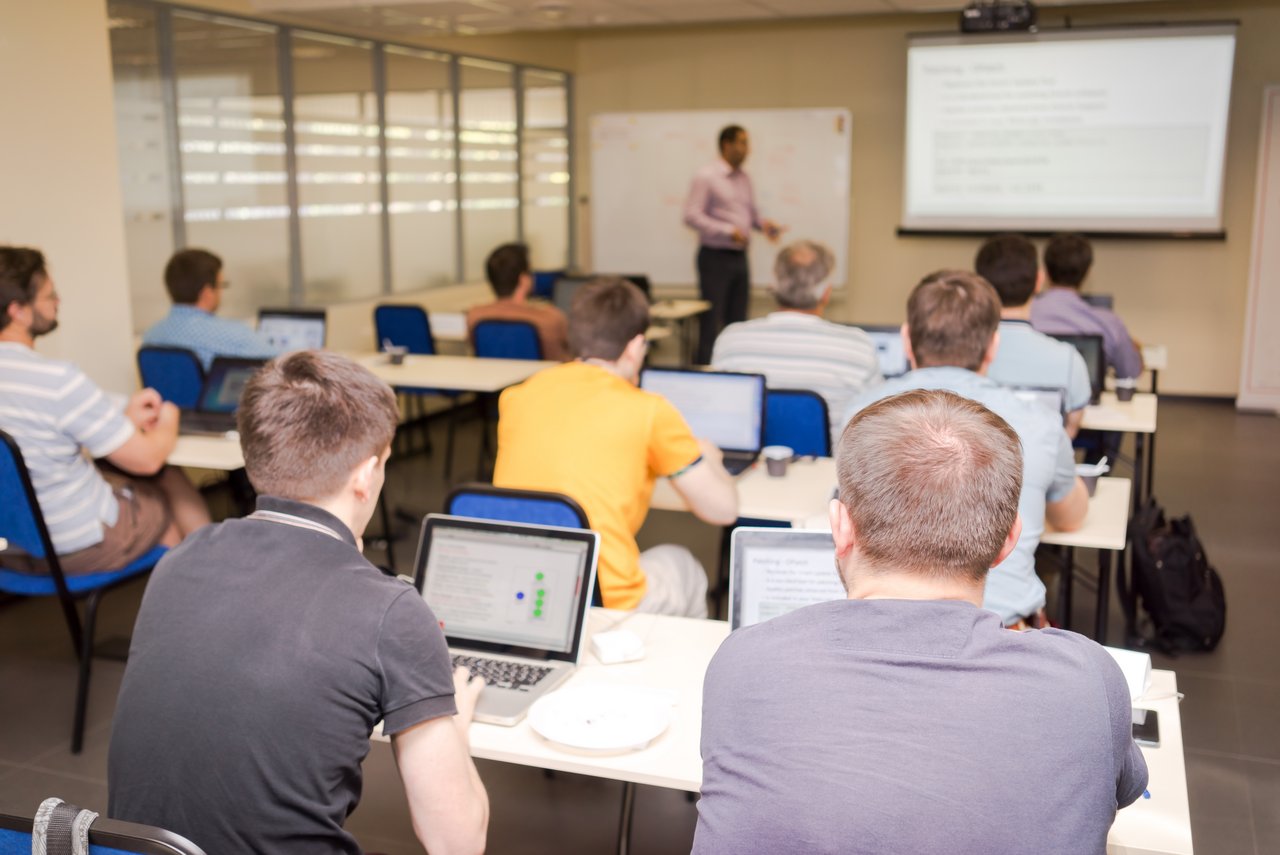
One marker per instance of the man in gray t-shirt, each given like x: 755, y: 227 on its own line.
x: 906, y: 718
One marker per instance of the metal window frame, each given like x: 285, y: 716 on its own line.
x: 163, y: 12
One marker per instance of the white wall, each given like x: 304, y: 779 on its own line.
x: 59, y: 173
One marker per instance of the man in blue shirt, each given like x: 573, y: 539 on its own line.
x: 194, y: 280
x: 1027, y: 357
x: 951, y: 337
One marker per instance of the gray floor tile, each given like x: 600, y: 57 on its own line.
x: 1208, y: 713
x: 22, y: 792
x: 1258, y: 708
x: 1221, y: 815
x: 1264, y: 790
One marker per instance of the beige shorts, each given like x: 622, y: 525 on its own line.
x: 143, y: 518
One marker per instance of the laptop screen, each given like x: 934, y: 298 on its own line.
x: 773, y: 571
x: 723, y: 408
x: 888, y: 342
x: 1095, y: 360
x: 225, y: 383
x: 563, y: 290
x: 1052, y: 397
x: 292, y: 329
x: 506, y: 587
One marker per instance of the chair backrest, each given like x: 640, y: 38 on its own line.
x: 487, y: 502
x: 797, y: 418
x: 403, y: 326
x: 499, y: 339
x: 106, y: 837
x: 21, y: 522
x: 1095, y: 359
x: 174, y: 372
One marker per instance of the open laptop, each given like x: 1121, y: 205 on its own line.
x: 215, y: 412
x: 512, y: 600
x: 293, y: 329
x: 773, y: 571
x: 888, y: 341
x: 1101, y: 301
x: 1052, y: 397
x: 722, y: 407
x: 1095, y: 359
x: 563, y: 289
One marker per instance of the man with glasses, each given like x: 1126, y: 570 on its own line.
x: 194, y: 280
x: 99, y: 518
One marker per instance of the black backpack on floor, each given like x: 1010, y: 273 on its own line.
x: 1179, y: 590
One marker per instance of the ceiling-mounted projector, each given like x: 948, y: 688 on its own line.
x: 998, y: 16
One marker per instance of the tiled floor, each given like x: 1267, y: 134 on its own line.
x: 1221, y: 466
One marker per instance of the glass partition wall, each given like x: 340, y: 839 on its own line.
x: 324, y: 168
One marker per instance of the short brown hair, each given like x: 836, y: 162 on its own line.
x: 1010, y: 264
x: 951, y: 317
x: 1067, y: 259
x: 188, y: 271
x: 22, y: 271
x: 504, y: 267
x: 606, y: 314
x: 308, y: 418
x: 931, y: 481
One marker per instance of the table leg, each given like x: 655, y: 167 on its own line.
x: 1139, y: 469
x: 1151, y: 465
x: 1065, y: 585
x: 686, y: 341
x: 1155, y: 382
x: 628, y: 811
x: 1104, y: 596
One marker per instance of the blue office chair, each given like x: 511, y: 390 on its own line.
x: 409, y: 326
x: 106, y: 837
x: 498, y: 339
x: 174, y: 372
x: 22, y: 525
x: 797, y: 418
x: 487, y: 502
x: 544, y: 280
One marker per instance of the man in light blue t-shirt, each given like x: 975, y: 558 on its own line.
x: 951, y: 337
x: 1026, y: 357
x: 194, y: 280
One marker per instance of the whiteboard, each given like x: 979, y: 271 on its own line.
x: 642, y: 164
x: 1260, y: 361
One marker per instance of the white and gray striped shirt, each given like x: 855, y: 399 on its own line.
x: 55, y: 413
x: 795, y: 350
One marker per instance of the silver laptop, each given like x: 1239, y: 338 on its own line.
x: 293, y: 329
x: 215, y: 411
x: 773, y: 571
x: 1053, y: 398
x: 724, y: 408
x: 889, y: 348
x: 512, y: 600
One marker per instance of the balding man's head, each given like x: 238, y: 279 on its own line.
x: 931, y: 483
x: 800, y: 274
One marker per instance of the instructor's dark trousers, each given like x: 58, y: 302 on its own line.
x: 725, y: 282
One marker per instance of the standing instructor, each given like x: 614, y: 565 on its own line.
x: 722, y: 208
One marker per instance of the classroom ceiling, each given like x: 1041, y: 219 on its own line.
x: 395, y: 19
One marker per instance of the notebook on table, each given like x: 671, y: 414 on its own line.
x: 215, y: 411
x: 512, y: 600
x: 722, y: 407
x: 773, y: 571
x: 293, y: 329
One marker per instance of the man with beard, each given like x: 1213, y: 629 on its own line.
x: 99, y: 516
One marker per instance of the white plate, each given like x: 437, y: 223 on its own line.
x: 600, y: 717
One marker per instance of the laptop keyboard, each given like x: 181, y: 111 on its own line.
x: 502, y: 673
x: 736, y: 465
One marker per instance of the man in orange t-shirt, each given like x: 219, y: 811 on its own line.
x: 586, y: 430
x: 507, y: 270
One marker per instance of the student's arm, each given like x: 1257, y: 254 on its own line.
x: 707, y: 488
x: 1068, y: 499
x: 1072, y: 422
x: 448, y: 804
x: 157, y: 432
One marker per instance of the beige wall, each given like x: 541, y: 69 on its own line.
x: 58, y: 170
x: 1189, y: 295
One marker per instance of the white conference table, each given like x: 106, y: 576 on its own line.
x: 678, y: 651
x: 1137, y: 417
x: 450, y: 373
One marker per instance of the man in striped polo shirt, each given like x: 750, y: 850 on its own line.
x: 98, y: 518
x: 794, y: 347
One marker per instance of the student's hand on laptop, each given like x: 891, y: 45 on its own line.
x: 466, y: 691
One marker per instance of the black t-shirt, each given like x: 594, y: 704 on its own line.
x: 264, y: 653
